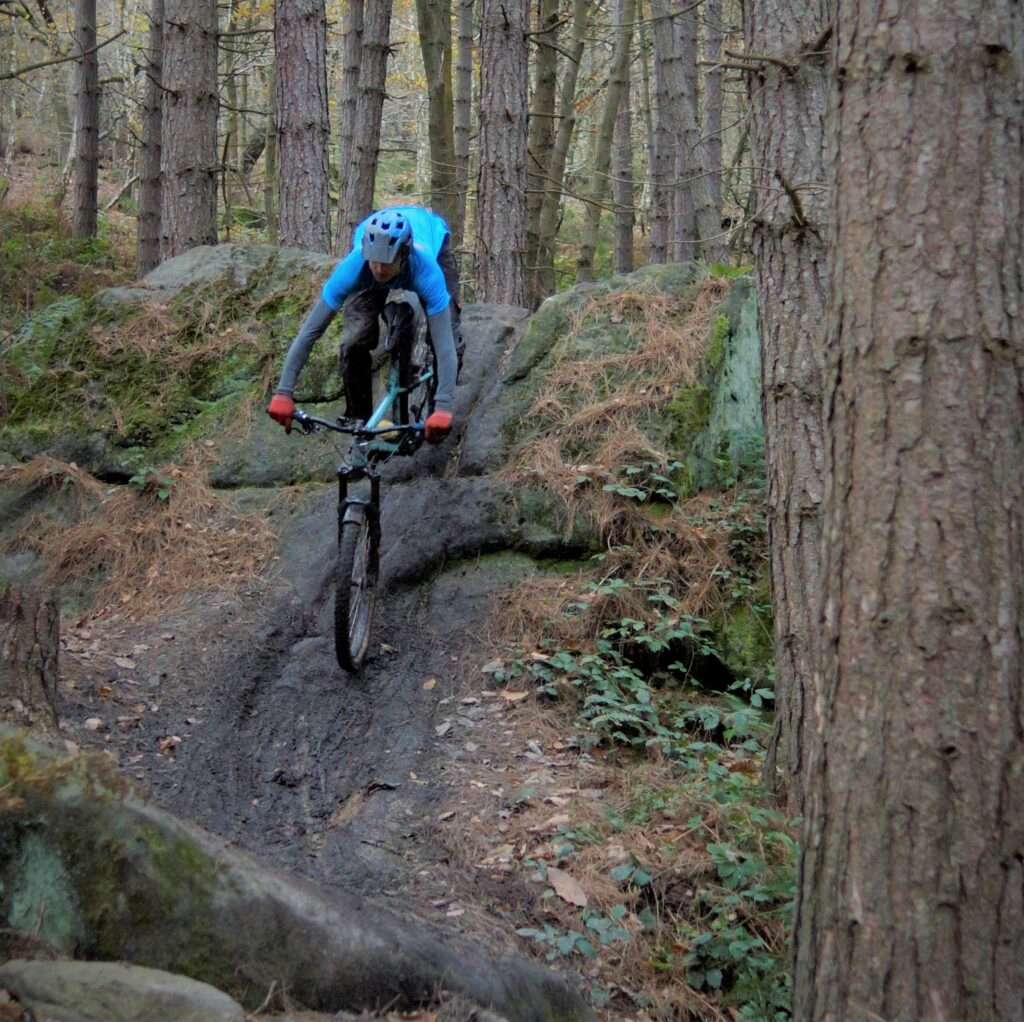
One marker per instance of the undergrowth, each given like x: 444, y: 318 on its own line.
x: 639, y: 648
x: 142, y: 546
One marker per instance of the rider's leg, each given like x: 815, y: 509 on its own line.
x: 450, y: 268
x: 359, y: 336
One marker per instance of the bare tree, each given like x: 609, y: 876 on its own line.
x: 712, y: 107
x: 501, y: 185
x: 189, y: 131
x: 303, y: 127
x: 542, y: 122
x: 148, y: 227
x: 360, y: 176
x: 912, y: 869
x: 87, y: 91
x: 351, y: 57
x: 543, y: 282
x: 618, y: 83
x: 434, y: 18
x: 792, y: 260
x: 622, y: 186
x: 462, y: 107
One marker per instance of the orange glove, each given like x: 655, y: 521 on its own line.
x: 438, y: 426
x: 281, y: 410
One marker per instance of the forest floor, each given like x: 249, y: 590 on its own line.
x: 442, y: 781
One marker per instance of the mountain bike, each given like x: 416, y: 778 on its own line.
x: 394, y: 429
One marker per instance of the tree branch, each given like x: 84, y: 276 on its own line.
x: 59, y: 60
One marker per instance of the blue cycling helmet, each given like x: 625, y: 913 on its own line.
x: 385, y: 236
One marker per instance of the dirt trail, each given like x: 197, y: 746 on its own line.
x: 338, y: 778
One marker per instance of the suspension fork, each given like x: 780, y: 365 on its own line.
x: 371, y: 508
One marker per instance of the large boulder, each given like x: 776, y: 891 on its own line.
x: 114, y: 992
x: 99, y: 873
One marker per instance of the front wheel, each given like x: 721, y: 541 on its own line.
x: 355, y: 584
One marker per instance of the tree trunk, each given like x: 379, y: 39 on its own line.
x: 362, y: 170
x: 542, y: 124
x: 663, y: 149
x: 712, y: 119
x: 270, y: 160
x: 622, y: 186
x: 792, y: 260
x: 87, y: 91
x: 29, y: 656
x: 435, y: 28
x: 618, y: 83
x: 351, y: 56
x: 501, y: 184
x: 463, y: 105
x: 544, y: 280
x: 677, y: 120
x: 148, y: 228
x: 303, y: 127
x: 689, y: 151
x: 189, y: 132
x: 911, y: 903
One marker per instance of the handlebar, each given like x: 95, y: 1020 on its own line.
x: 353, y: 427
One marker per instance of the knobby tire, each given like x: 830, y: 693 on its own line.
x: 355, y: 591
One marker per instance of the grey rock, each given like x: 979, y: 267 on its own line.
x: 111, y: 992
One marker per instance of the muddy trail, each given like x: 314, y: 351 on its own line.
x: 341, y: 778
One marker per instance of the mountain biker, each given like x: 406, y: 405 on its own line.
x: 405, y: 247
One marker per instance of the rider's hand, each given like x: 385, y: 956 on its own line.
x: 438, y: 426
x: 281, y: 410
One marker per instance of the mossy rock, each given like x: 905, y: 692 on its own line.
x: 113, y: 406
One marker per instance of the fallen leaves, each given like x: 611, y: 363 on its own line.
x: 566, y: 887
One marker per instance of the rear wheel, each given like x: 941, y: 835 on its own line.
x: 355, y: 585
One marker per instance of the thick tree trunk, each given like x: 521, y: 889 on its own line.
x: 351, y: 57
x: 29, y: 656
x: 911, y: 903
x: 501, y: 184
x: 544, y: 280
x: 462, y: 108
x: 435, y: 28
x: 622, y: 186
x: 361, y: 179
x: 618, y: 83
x: 189, y: 133
x: 792, y: 280
x: 303, y: 128
x: 148, y: 228
x: 663, y: 149
x: 87, y: 91
x: 542, y: 124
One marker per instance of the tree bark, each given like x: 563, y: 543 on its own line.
x: 622, y: 186
x: 351, y: 56
x: 270, y: 161
x: 618, y: 82
x: 712, y: 107
x: 303, y: 128
x: 362, y: 171
x: 501, y: 183
x: 463, y: 106
x: 791, y: 257
x: 542, y: 124
x: 189, y: 132
x: 689, y: 152
x: 29, y: 656
x: 87, y: 91
x: 544, y: 281
x: 434, y: 18
x: 911, y: 902
x: 662, y: 150
x: 148, y: 227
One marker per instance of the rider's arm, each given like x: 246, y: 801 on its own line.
x: 447, y: 362
x: 309, y: 333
